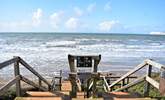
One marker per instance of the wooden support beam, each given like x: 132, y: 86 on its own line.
x: 152, y: 82
x: 135, y: 82
x: 72, y: 78
x: 34, y: 72
x: 154, y: 64
x: 129, y: 73
x: 8, y: 62
x: 32, y: 83
x: 95, y: 77
x: 162, y: 83
x: 39, y: 82
x: 17, y: 73
x: 4, y: 88
x: 147, y: 84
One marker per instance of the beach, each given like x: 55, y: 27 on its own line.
x: 47, y: 52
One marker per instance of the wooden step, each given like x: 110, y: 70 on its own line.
x: 38, y: 98
x: 40, y: 94
x: 122, y: 96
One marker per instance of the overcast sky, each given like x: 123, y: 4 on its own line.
x: 101, y: 16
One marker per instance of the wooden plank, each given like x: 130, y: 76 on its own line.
x: 106, y: 84
x: 147, y: 85
x: 117, y: 77
x: 32, y: 83
x: 152, y: 82
x: 17, y: 72
x: 33, y: 71
x: 162, y: 83
x: 155, y: 64
x: 90, y: 85
x: 129, y: 73
x: 8, y: 62
x: 8, y: 85
x: 93, y: 56
x: 138, y: 80
x: 71, y: 60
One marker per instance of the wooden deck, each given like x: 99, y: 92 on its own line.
x: 64, y: 95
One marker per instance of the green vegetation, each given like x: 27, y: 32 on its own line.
x: 9, y: 95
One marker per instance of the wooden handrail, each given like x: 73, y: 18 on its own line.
x: 154, y: 64
x: 106, y: 84
x: 9, y: 84
x: 129, y: 73
x: 152, y: 82
x: 138, y: 80
x: 16, y: 60
x: 33, y: 71
x: 147, y: 77
x: 32, y: 83
x: 8, y: 62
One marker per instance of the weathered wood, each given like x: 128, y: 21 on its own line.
x: 8, y: 85
x: 89, y: 86
x: 71, y: 63
x: 34, y: 72
x: 39, y: 82
x: 147, y: 84
x: 111, y: 77
x: 96, y: 62
x: 135, y: 82
x: 152, y: 82
x: 72, y: 78
x: 17, y: 73
x: 162, y: 83
x: 154, y: 64
x: 106, y: 84
x: 95, y: 77
x: 93, y: 56
x: 33, y: 84
x: 8, y: 62
x: 129, y: 73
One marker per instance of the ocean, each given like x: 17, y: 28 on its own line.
x: 48, y: 52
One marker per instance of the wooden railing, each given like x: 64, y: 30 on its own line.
x: 147, y: 77
x: 18, y: 77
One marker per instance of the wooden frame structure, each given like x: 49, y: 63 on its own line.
x: 147, y: 78
x: 77, y: 78
x: 18, y: 77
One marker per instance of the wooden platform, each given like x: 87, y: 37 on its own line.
x: 64, y: 95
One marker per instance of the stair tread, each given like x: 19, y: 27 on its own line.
x: 122, y: 96
x: 40, y: 94
x: 38, y: 98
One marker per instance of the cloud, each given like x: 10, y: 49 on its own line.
x: 107, y: 6
x: 78, y: 11
x: 36, y: 18
x: 91, y: 7
x: 55, y: 19
x: 107, y: 26
x: 157, y: 33
x: 72, y: 23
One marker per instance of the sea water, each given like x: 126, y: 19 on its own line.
x: 48, y: 52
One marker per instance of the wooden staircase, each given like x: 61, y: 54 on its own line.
x: 64, y: 92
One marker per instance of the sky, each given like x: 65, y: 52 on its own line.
x: 89, y: 16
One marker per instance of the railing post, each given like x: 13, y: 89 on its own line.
x: 60, y: 80
x: 95, y: 77
x: 147, y: 84
x: 39, y: 83
x: 123, y: 83
x: 72, y: 78
x: 17, y: 72
x: 162, y: 83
